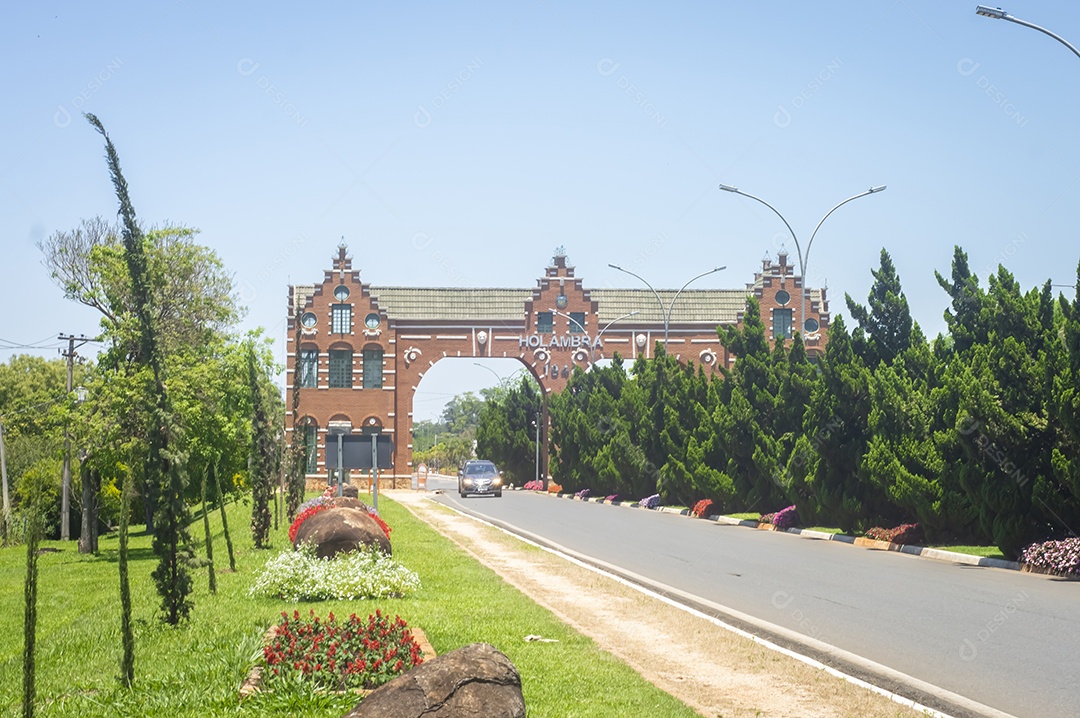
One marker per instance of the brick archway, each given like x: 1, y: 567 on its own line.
x: 361, y: 350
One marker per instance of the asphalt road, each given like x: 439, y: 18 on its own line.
x: 1001, y: 638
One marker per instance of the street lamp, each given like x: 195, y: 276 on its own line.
x: 998, y: 14
x: 804, y: 259
x: 666, y: 313
x: 599, y: 334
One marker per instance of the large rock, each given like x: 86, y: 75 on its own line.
x: 348, y: 502
x: 476, y: 681
x: 340, y: 530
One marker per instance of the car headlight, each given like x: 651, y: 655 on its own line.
x: 468, y: 482
x: 497, y: 480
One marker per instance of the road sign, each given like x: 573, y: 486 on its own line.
x: 357, y: 452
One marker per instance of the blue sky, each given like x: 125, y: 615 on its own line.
x: 459, y: 144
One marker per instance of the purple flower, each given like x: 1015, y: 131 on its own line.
x: 650, y: 502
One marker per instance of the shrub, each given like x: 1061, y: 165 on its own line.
x: 650, y: 502
x: 1060, y: 557
x: 342, y: 655
x: 702, y: 508
x: 766, y: 518
x: 611, y: 497
x: 534, y: 485
x: 301, y: 576
x: 582, y: 495
x: 905, y: 533
x: 786, y: 518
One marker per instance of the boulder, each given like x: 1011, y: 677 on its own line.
x: 350, y: 491
x: 340, y: 530
x: 476, y: 681
x: 349, y: 503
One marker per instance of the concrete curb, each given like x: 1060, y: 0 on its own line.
x: 934, y: 554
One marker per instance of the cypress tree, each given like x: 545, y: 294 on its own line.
x: 33, y: 539
x: 884, y: 327
x: 127, y: 635
x: 171, y: 541
x: 262, y: 451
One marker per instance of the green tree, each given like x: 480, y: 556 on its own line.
x: 505, y: 432
x: 884, y: 327
x: 263, y: 451
x: 164, y: 462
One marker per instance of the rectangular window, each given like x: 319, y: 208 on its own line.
x: 341, y: 368
x: 545, y: 322
x: 308, y: 368
x: 373, y: 368
x: 311, y: 439
x: 340, y: 318
x: 577, y: 322
x: 781, y: 323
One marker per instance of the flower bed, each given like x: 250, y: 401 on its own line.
x: 783, y: 519
x: 1058, y: 557
x: 906, y: 534
x: 304, y: 514
x: 611, y: 498
x: 702, y: 508
x: 534, y: 485
x: 322, y: 503
x: 650, y: 502
x: 301, y: 576
x: 355, y: 654
x: 582, y: 495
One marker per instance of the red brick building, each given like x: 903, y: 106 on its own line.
x: 361, y: 349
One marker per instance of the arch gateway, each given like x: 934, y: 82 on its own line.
x: 358, y: 351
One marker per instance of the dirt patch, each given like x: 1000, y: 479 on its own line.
x: 716, y: 672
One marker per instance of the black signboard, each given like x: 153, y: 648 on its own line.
x: 356, y: 450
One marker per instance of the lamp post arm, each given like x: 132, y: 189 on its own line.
x: 838, y: 206
x: 999, y: 14
x: 616, y: 319
x: 676, y: 297
x: 575, y: 321
x: 663, y: 314
x: 777, y: 213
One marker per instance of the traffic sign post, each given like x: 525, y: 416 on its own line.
x: 361, y: 451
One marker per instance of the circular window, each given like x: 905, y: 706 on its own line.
x: 371, y: 321
x: 341, y: 293
x: 309, y: 319
x: 810, y: 325
x: 782, y: 297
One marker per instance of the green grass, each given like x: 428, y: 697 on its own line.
x: 197, y: 668
x: 984, y: 551
x: 824, y: 529
x: 751, y: 516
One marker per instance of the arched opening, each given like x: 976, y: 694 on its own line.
x: 446, y: 411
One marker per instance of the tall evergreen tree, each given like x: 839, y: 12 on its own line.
x: 746, y: 427
x: 826, y: 466
x: 884, y: 327
x: 263, y: 453
x: 164, y: 462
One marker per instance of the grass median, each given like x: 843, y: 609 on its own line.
x: 197, y: 668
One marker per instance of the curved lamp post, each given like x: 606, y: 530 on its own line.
x: 666, y: 313
x: 999, y: 14
x: 804, y: 259
x: 598, y: 334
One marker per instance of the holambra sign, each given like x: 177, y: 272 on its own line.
x: 565, y: 341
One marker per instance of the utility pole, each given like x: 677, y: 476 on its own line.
x: 65, y: 486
